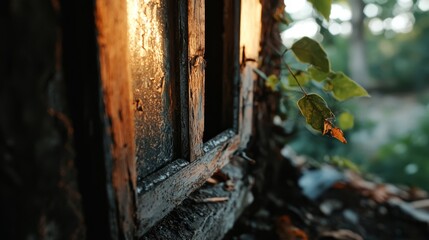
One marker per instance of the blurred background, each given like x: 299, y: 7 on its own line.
x: 384, y: 46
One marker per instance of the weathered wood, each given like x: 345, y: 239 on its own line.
x: 89, y: 67
x: 246, y: 103
x: 194, y: 219
x: 160, y: 192
x: 250, y: 35
x: 250, y: 28
x: 196, y: 46
x: 162, y: 197
x: 183, y: 65
x: 112, y: 39
x: 39, y: 197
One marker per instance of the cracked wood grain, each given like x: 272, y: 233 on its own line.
x: 111, y: 23
x: 196, y: 31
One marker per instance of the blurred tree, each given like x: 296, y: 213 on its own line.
x: 357, y: 57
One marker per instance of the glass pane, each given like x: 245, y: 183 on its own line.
x: 152, y: 88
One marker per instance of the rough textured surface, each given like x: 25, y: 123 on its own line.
x: 170, y: 191
x: 196, y: 63
x: 246, y: 104
x: 250, y: 28
x: 160, y: 192
x: 250, y: 31
x: 195, y: 219
x: 39, y: 198
x: 112, y: 39
x: 66, y: 108
x: 181, y: 37
x: 151, y: 62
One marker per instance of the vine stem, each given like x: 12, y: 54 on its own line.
x: 291, y: 72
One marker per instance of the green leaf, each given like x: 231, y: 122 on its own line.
x: 300, y: 76
x: 310, y: 51
x: 323, y: 7
x: 315, y: 110
x: 316, y: 74
x: 271, y: 82
x: 328, y: 86
x: 345, y: 121
x: 345, y: 88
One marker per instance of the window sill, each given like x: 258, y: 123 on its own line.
x: 194, y: 219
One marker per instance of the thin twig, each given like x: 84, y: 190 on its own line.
x: 284, y: 52
x: 290, y: 71
x: 299, y: 84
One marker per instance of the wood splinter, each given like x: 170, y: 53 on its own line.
x: 212, y: 200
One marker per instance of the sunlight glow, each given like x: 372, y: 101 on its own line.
x: 376, y: 26
x: 372, y: 10
x: 423, y: 5
x: 305, y: 25
x: 334, y: 28
x: 346, y: 28
x: 298, y: 9
x: 145, y: 30
x: 250, y: 26
x: 403, y: 23
x: 387, y: 23
x: 300, y: 29
x: 407, y: 4
x: 293, y: 6
x: 341, y: 12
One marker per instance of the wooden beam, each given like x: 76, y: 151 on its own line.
x: 250, y: 28
x: 196, y: 31
x: 181, y: 37
x: 246, y: 103
x: 250, y: 36
x: 112, y: 39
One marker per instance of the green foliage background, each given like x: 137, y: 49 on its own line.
x: 397, y: 63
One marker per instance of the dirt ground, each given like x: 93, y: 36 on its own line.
x: 309, y: 202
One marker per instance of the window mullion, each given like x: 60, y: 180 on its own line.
x: 196, y: 63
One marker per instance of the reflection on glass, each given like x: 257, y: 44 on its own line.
x: 148, y: 48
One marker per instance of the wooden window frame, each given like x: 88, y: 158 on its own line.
x: 163, y: 190
x: 133, y: 208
